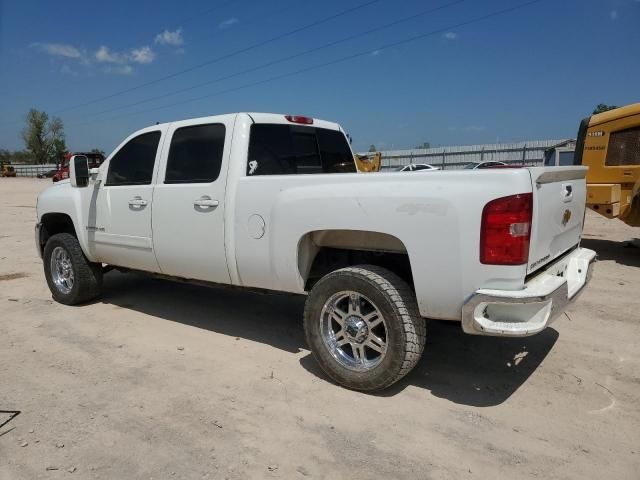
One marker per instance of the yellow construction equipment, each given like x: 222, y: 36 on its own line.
x: 609, y: 144
x: 368, y: 163
x: 7, y: 170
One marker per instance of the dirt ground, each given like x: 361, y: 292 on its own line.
x: 164, y: 380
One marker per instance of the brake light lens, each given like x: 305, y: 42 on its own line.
x: 299, y: 119
x: 506, y: 230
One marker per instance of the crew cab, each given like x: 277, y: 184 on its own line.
x: 274, y: 202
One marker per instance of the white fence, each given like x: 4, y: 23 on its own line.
x: 32, y: 170
x: 528, y: 153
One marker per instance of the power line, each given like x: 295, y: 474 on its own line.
x: 281, y: 60
x: 339, y: 60
x: 226, y: 56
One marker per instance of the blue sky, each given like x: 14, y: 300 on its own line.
x: 532, y: 73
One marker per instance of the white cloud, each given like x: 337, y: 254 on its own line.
x: 142, y: 55
x: 475, y: 128
x: 114, y: 62
x: 104, y: 55
x: 450, y: 35
x: 613, y: 15
x: 119, y: 69
x: 375, y: 53
x: 170, y: 38
x: 124, y: 70
x: 59, y: 49
x: 228, y: 22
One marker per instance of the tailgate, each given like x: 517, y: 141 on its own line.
x: 559, y: 196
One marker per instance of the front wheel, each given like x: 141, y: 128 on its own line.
x: 71, y: 277
x: 363, y: 327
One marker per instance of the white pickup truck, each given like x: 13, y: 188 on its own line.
x: 274, y: 202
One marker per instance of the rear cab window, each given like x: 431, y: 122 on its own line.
x: 276, y: 149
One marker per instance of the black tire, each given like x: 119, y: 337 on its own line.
x: 87, y: 276
x: 405, y: 329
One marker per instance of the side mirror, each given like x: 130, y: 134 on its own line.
x: 79, y: 171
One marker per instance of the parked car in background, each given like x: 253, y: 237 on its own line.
x: 417, y: 167
x: 480, y: 165
x: 260, y: 200
x: 48, y: 174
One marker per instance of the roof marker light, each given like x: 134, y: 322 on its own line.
x: 299, y: 119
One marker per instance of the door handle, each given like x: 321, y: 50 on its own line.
x: 137, y: 201
x: 206, y: 202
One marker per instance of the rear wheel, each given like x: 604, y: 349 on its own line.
x: 71, y: 277
x: 363, y: 327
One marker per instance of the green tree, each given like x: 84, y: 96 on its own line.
x: 603, y: 107
x: 372, y: 148
x: 424, y: 145
x: 43, y: 137
x: 98, y: 151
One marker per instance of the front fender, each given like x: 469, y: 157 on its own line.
x: 62, y: 198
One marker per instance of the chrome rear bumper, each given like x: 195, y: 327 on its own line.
x: 528, y: 311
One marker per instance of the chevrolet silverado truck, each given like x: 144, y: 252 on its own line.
x: 274, y: 202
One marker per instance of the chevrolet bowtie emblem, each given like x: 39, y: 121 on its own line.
x: 566, y: 217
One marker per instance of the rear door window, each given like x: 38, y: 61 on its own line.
x: 293, y: 149
x: 195, y: 155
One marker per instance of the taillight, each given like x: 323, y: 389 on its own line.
x: 299, y: 119
x: 506, y: 230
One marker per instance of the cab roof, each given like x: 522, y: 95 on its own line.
x: 260, y: 117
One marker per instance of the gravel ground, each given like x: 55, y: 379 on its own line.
x: 165, y: 380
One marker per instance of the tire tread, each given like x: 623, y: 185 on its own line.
x: 88, y: 276
x: 404, y: 302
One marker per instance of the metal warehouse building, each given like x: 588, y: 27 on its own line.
x: 529, y: 153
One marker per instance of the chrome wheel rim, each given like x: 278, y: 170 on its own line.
x: 62, y: 270
x: 354, y: 331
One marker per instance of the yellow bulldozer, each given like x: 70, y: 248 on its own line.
x: 609, y: 144
x: 7, y: 170
x: 368, y: 163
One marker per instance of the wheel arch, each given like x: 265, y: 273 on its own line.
x: 53, y: 223
x: 322, y: 251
